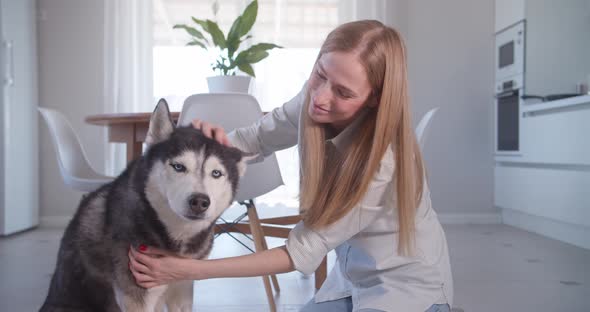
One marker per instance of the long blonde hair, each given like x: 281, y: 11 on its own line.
x: 332, y: 184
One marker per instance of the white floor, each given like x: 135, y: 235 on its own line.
x: 495, y: 268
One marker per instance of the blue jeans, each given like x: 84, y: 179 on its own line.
x: 345, y: 305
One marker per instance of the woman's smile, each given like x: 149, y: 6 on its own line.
x: 317, y: 109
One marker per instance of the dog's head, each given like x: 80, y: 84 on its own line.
x: 190, y: 177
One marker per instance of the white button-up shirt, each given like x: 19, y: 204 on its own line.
x: 368, y: 267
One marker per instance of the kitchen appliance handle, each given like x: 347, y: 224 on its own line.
x: 9, y: 77
x: 531, y: 96
x: 506, y: 94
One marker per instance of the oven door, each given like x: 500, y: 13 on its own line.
x: 508, y: 123
x: 510, y: 51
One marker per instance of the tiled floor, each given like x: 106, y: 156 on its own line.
x: 495, y: 268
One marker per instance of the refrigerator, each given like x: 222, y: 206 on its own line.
x: 19, y: 159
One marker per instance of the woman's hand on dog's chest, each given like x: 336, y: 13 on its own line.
x: 152, y: 267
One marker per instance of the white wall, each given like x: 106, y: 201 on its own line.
x: 70, y: 34
x: 508, y: 13
x: 450, y: 52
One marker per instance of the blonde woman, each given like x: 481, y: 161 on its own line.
x: 362, y: 193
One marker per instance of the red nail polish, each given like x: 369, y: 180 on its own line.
x: 142, y: 247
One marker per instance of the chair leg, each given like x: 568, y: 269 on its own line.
x: 273, y: 278
x: 255, y: 228
x: 258, y: 223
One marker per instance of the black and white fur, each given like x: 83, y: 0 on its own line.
x: 169, y: 198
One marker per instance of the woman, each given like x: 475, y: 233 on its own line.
x: 362, y: 188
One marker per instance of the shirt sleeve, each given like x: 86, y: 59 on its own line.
x: 275, y: 131
x: 307, y: 247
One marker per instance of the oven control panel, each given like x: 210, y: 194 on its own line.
x: 511, y: 83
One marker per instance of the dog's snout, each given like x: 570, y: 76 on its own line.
x: 199, y: 202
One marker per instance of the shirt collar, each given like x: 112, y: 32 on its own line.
x: 342, y: 139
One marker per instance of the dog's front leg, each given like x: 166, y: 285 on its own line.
x: 179, y: 297
x: 150, y: 300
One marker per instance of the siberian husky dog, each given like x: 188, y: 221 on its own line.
x: 168, y: 198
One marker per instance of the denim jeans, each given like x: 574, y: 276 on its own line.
x: 345, y: 305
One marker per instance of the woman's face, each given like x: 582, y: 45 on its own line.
x: 338, y: 88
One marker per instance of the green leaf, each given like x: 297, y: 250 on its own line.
x: 197, y: 43
x: 233, y: 31
x: 232, y: 45
x: 247, y: 68
x: 201, y: 23
x: 255, y: 57
x: 216, y: 34
x: 255, y: 53
x: 241, y: 58
x: 264, y: 46
x: 248, y: 18
x: 233, y: 39
x: 241, y: 26
x: 213, y: 29
x: 191, y: 31
x: 221, y: 67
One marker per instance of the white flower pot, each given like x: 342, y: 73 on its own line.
x: 222, y: 84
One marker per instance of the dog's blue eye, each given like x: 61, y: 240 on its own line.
x: 178, y: 167
x: 216, y: 174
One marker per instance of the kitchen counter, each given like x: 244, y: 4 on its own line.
x: 553, y: 106
x: 544, y: 188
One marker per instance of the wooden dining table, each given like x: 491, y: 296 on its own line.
x: 128, y: 128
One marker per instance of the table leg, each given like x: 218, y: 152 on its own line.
x: 127, y: 134
x: 134, y: 150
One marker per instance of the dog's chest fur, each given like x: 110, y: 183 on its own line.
x: 197, y: 246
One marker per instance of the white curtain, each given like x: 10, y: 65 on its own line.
x: 127, y: 65
x: 390, y: 12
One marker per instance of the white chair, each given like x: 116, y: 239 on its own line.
x: 423, y: 126
x: 230, y: 111
x: 74, y: 167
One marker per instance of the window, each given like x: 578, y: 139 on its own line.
x: 300, y: 26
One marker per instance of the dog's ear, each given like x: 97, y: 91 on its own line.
x: 161, y: 124
x: 248, y: 158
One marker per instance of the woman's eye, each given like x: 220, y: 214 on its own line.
x: 343, y: 95
x: 178, y: 167
x: 216, y: 174
x: 322, y: 77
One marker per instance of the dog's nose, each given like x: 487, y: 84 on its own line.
x: 199, y: 202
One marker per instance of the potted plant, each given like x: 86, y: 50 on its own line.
x: 230, y: 59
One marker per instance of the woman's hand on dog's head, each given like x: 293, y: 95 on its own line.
x: 212, y: 131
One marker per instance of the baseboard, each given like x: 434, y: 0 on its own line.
x: 470, y: 218
x: 574, y: 234
x: 54, y: 221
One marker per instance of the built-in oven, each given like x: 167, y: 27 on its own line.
x: 510, y: 51
x: 507, y: 116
